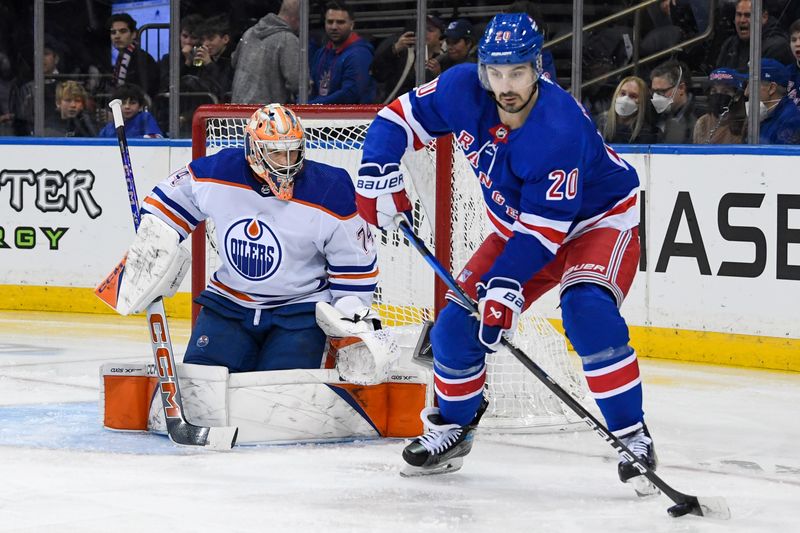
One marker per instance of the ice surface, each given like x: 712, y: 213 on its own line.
x: 719, y: 432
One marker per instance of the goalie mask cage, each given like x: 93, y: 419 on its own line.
x: 449, y: 216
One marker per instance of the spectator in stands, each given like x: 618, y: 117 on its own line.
x: 393, y: 65
x: 725, y: 122
x: 71, y: 101
x: 629, y: 119
x: 21, y: 101
x: 461, y: 46
x: 604, y: 50
x: 133, y: 65
x: 189, y: 42
x: 673, y: 102
x: 6, y: 83
x: 266, y: 60
x: 735, y: 51
x: 793, y: 87
x: 138, y: 121
x: 779, y: 116
x: 216, y: 72
x: 340, y: 69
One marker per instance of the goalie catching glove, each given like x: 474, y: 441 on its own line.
x: 500, y: 303
x: 365, y: 353
x: 154, y: 266
x: 381, y: 194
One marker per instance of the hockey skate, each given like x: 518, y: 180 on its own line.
x: 641, y: 444
x: 441, y: 449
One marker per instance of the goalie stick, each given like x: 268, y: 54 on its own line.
x: 179, y: 429
x: 714, y: 507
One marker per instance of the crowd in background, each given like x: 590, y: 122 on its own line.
x: 696, y: 94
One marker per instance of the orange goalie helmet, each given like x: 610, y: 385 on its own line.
x: 275, y: 147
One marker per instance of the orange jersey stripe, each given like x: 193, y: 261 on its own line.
x: 161, y: 207
x: 223, y: 182
x: 317, y: 206
x: 355, y: 276
x: 223, y: 287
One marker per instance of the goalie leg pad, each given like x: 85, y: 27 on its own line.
x: 126, y: 392
x: 298, y: 405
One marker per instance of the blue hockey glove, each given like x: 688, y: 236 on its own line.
x: 500, y: 303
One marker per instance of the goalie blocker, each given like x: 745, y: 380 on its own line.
x: 154, y: 266
x: 288, y: 405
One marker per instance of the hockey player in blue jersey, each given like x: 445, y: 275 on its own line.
x: 563, y: 208
x: 288, y: 234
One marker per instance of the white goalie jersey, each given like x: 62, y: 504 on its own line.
x: 273, y: 252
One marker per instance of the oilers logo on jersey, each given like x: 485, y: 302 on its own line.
x: 253, y: 249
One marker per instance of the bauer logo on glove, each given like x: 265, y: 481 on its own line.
x: 500, y: 304
x: 381, y: 194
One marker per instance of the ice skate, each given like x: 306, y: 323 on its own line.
x: 441, y: 449
x: 641, y: 444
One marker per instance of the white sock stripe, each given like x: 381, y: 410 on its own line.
x: 443, y: 396
x: 625, y: 431
x: 614, y: 392
x: 457, y: 381
x: 610, y: 368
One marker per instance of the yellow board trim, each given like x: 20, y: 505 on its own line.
x: 75, y: 300
x: 752, y: 351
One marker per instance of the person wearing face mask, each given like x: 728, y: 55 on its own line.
x: 628, y: 120
x: 725, y: 121
x: 780, y: 118
x: 673, y: 102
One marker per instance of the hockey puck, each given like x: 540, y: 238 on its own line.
x: 680, y: 509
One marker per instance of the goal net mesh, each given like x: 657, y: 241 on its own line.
x: 405, y: 293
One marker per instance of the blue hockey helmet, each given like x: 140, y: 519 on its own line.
x: 511, y: 38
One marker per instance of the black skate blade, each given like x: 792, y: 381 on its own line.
x: 453, y: 465
x: 644, y: 487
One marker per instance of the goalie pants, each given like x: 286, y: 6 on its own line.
x: 595, y: 271
x: 246, y: 340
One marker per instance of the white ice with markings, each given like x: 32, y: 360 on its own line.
x: 718, y: 431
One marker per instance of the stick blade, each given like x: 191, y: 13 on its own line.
x: 713, y: 507
x: 222, y: 438
x: 213, y: 438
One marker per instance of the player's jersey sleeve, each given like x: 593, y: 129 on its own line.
x: 414, y: 119
x: 173, y: 201
x: 348, y: 246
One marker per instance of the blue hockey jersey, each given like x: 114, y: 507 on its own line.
x: 273, y: 252
x: 543, y: 183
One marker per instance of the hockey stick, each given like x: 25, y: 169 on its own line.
x: 180, y: 431
x: 714, y: 507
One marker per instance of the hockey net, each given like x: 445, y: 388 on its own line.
x: 449, y: 216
